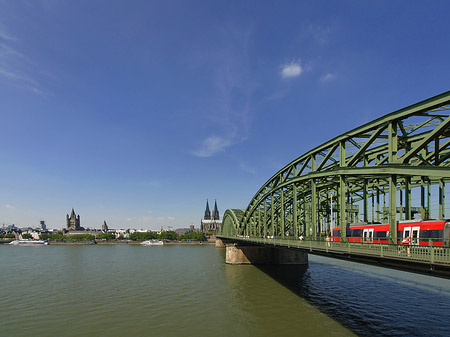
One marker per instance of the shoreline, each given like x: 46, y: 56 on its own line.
x: 128, y: 243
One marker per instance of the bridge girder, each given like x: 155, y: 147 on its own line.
x: 392, y: 155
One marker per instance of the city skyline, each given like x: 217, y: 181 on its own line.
x: 136, y: 113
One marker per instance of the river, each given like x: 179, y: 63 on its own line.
x: 188, y: 290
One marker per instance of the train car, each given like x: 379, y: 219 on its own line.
x: 421, y: 232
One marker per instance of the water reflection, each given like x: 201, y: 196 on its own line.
x: 368, y: 300
x: 263, y: 297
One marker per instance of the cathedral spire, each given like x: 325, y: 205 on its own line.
x: 207, y: 212
x: 216, y: 211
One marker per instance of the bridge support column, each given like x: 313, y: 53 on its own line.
x: 219, y: 243
x: 237, y: 254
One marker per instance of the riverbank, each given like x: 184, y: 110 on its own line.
x: 128, y: 242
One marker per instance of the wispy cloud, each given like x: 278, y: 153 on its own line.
x: 139, y: 220
x: 230, y: 106
x: 9, y: 206
x: 319, y: 33
x: 246, y: 168
x: 291, y: 69
x: 212, y: 145
x: 281, y: 93
x: 148, y: 220
x: 15, y: 65
x: 327, y: 77
x: 5, y: 36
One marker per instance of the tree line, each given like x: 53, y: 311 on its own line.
x: 169, y: 235
x: 7, y: 236
x: 67, y: 238
x: 136, y: 236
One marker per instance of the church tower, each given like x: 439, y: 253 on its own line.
x: 207, y: 212
x: 210, y: 223
x: 73, y: 223
x: 216, y: 211
x: 104, y: 227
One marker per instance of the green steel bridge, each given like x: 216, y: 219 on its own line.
x: 373, y: 173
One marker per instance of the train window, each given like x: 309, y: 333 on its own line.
x: 356, y: 233
x: 380, y: 235
x: 425, y: 234
x: 436, y: 233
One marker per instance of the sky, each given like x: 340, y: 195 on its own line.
x: 137, y: 112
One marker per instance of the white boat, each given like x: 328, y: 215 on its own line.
x: 28, y: 243
x: 152, y: 243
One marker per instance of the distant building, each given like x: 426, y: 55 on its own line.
x: 210, y: 223
x: 182, y: 231
x: 104, y: 227
x: 73, y: 223
x: 42, y: 225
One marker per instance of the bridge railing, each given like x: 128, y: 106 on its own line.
x: 429, y: 254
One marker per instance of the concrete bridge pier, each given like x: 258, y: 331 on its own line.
x: 220, y: 243
x: 248, y: 254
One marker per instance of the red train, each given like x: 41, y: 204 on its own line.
x: 420, y: 232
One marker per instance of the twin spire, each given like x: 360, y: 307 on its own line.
x: 215, y: 215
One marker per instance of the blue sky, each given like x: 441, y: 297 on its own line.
x: 136, y: 112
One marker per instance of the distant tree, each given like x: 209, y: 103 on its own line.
x: 27, y: 236
x: 169, y: 235
x: 143, y: 236
x: 47, y: 236
x: 10, y: 236
x: 194, y: 236
x: 79, y: 237
x: 106, y: 236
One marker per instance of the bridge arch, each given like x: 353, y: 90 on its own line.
x: 231, y: 222
x: 367, y: 174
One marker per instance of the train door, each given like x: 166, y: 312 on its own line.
x: 446, y: 233
x: 406, y: 232
x: 415, y: 233
x: 368, y: 235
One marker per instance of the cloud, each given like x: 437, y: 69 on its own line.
x: 15, y: 66
x: 170, y: 218
x: 228, y: 108
x: 319, y: 33
x: 246, y: 168
x: 140, y: 220
x: 327, y: 77
x: 5, y: 36
x: 281, y: 93
x: 292, y: 69
x: 211, y: 146
x: 9, y: 206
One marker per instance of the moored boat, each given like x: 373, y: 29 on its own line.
x: 29, y: 243
x: 152, y: 243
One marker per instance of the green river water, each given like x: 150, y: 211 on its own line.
x: 132, y: 290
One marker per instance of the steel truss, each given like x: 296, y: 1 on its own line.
x: 366, y: 174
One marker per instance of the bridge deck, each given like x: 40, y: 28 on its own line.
x: 423, y: 259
